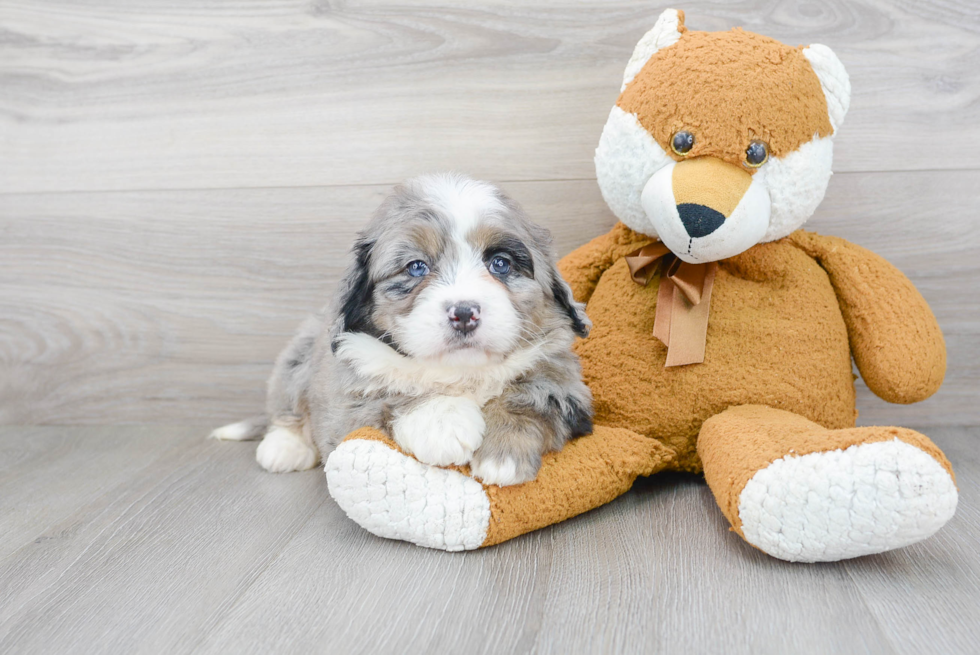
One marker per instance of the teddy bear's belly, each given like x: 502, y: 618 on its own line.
x: 776, y: 337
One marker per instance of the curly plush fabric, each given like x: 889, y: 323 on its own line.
x: 392, y: 495
x: 770, y: 92
x: 897, y: 345
x: 769, y: 415
x: 770, y: 409
x: 776, y: 337
x: 805, y: 493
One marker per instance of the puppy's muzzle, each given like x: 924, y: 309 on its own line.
x: 464, y: 317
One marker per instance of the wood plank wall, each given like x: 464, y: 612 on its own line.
x: 179, y: 182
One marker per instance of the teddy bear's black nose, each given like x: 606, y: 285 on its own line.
x: 698, y: 220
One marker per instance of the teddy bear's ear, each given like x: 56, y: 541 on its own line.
x: 833, y: 80
x: 665, y: 33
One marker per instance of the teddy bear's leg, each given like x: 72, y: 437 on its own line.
x: 393, y: 495
x: 801, y: 492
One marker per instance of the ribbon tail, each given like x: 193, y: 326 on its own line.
x: 662, y: 317
x: 688, y: 323
x: 689, y: 279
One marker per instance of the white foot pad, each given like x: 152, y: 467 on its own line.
x: 284, y: 451
x: 397, y: 497
x: 846, y: 503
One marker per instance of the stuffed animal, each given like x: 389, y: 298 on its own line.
x: 723, y: 334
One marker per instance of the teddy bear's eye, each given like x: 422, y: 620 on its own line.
x: 682, y: 142
x: 756, y: 154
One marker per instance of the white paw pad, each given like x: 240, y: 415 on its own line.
x: 396, y: 497
x: 283, y: 451
x: 442, y: 431
x: 835, y: 505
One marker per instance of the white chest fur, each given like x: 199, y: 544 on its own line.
x: 383, y: 368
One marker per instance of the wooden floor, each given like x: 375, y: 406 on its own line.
x: 152, y: 539
x: 179, y: 184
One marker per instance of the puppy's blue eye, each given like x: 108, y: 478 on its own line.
x: 418, y: 268
x: 499, y: 266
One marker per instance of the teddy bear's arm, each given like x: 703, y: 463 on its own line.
x: 583, y: 267
x: 894, y: 337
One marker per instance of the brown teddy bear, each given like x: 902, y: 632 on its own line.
x: 723, y: 334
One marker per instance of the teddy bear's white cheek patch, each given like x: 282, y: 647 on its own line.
x: 796, y: 183
x: 395, y: 497
x: 839, y: 504
x: 626, y: 158
x: 657, y: 199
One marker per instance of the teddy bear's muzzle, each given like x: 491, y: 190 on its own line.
x: 705, y: 209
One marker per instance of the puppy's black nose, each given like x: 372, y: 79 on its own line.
x: 698, y: 220
x: 464, y: 317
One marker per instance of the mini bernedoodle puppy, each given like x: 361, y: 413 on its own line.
x: 452, y: 334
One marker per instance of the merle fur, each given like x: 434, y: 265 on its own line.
x: 312, y: 390
x: 520, y: 257
x: 357, y: 304
x: 563, y: 297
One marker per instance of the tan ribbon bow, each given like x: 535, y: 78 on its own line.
x: 681, y: 321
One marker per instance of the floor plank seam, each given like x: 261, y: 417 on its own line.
x: 96, y: 544
x: 384, y: 184
x: 96, y: 499
x: 886, y: 633
x: 236, y: 601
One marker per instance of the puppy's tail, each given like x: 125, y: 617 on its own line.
x: 247, y: 430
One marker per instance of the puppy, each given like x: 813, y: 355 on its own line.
x: 452, y: 334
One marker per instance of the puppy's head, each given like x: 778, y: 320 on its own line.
x: 450, y: 270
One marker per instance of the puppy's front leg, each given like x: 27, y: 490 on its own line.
x: 441, y: 430
x: 512, y: 446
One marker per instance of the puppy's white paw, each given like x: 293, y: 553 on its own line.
x: 443, y: 430
x: 501, y: 472
x: 498, y: 472
x: 241, y: 431
x: 283, y: 450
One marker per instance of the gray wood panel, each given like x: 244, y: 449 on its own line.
x: 169, y: 306
x: 44, y: 478
x: 150, y: 563
x: 178, y: 187
x: 923, y: 598
x: 156, y: 95
x: 191, y: 548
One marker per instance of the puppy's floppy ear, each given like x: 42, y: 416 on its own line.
x: 357, y: 299
x: 567, y: 303
x: 560, y: 291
